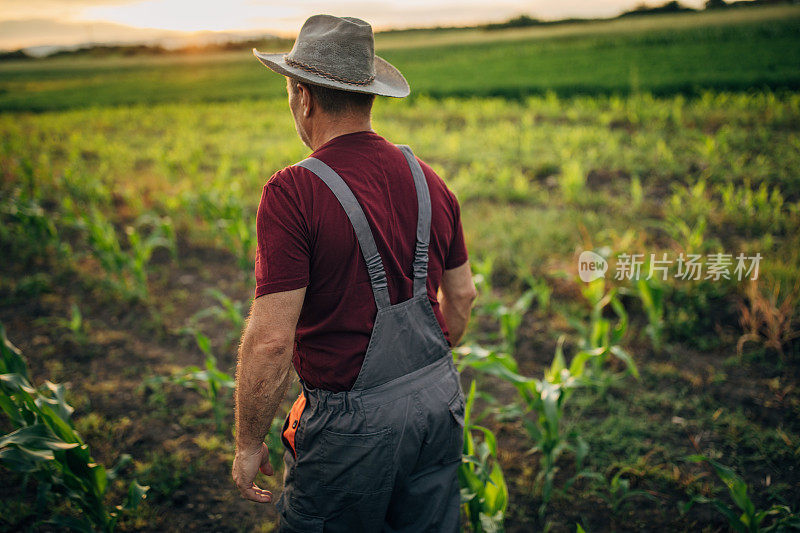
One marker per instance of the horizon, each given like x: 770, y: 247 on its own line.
x: 31, y: 24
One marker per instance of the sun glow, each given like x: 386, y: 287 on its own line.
x: 190, y: 15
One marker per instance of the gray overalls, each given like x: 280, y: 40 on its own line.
x: 383, y: 456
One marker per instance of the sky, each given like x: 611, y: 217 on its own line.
x: 26, y: 23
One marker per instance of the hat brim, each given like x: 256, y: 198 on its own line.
x: 388, y: 80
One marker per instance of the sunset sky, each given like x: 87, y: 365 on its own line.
x: 26, y: 23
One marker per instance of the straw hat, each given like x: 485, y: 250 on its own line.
x: 338, y: 52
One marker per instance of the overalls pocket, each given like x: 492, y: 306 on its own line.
x: 456, y: 407
x: 292, y: 422
x: 293, y: 521
x: 356, y: 463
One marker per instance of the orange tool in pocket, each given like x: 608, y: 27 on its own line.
x: 292, y: 421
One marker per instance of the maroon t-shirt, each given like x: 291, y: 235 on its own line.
x: 305, y: 239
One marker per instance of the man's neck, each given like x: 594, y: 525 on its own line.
x: 332, y: 128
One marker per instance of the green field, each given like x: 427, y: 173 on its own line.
x: 128, y: 193
x: 738, y: 50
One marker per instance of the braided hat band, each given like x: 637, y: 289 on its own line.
x: 328, y: 75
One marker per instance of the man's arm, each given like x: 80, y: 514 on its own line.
x: 263, y: 373
x: 457, y: 294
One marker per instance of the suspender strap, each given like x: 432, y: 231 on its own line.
x: 377, y: 275
x: 423, y: 222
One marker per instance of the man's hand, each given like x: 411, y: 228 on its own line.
x: 263, y: 373
x: 246, y: 466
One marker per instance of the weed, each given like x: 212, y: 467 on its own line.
x: 768, y: 317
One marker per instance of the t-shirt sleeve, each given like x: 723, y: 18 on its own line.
x: 283, y: 252
x: 457, y: 253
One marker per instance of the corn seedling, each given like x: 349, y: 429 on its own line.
x: 484, y: 494
x: 744, y: 517
x: 127, y: 268
x: 637, y: 192
x: 510, y: 318
x: 753, y: 211
x: 541, y: 291
x: 212, y: 383
x: 274, y: 442
x: 25, y: 227
x: 689, y: 237
x: 227, y: 311
x: 229, y: 216
x: 544, y: 403
x: 573, y: 182
x: 142, y: 246
x: 75, y: 324
x: 651, y: 294
x: 618, y: 491
x: 46, y: 447
x: 602, y: 336
x: 482, y: 274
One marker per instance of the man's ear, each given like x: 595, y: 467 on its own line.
x: 306, y: 101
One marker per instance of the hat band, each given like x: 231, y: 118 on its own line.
x: 298, y: 64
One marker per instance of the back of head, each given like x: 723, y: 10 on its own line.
x: 336, y: 102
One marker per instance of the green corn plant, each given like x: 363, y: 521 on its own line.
x: 105, y: 245
x: 544, y: 405
x: 489, y: 361
x: 573, y: 181
x: 651, y: 293
x: 752, y: 210
x: 160, y: 235
x: 510, y: 318
x: 744, y: 517
x: 224, y: 209
x: 127, y: 268
x: 75, y: 324
x: 275, y: 443
x: 212, y: 383
x: 546, y: 401
x: 26, y: 229
x: 484, y: 494
x: 541, y: 290
x: 618, y: 491
x: 691, y: 238
x: 227, y: 311
x: 45, y: 446
x: 482, y: 274
x: 602, y: 335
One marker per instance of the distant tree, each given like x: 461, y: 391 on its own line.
x: 16, y: 54
x: 716, y: 4
x: 517, y: 22
x: 670, y: 7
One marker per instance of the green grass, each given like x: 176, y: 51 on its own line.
x: 664, y: 55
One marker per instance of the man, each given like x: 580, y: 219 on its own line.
x: 363, y: 284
